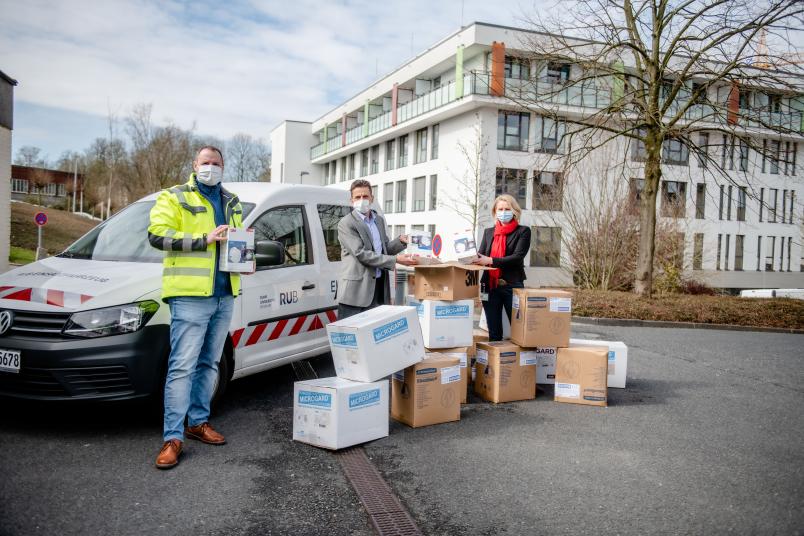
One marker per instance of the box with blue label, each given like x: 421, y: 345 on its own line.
x: 376, y: 343
x: 502, y: 374
x: 428, y: 392
x: 581, y: 375
x: 541, y: 317
x: 445, y: 324
x: 617, y: 359
x: 334, y: 413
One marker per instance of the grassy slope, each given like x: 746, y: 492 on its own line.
x: 62, y: 228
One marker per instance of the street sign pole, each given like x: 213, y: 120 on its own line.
x: 40, y: 219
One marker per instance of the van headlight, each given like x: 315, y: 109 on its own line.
x: 111, y: 320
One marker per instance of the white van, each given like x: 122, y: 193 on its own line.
x: 89, y: 323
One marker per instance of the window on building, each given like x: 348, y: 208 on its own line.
x: 286, y: 225
x: 764, y: 154
x: 792, y: 157
x: 738, y: 252
x: 743, y: 155
x: 773, y: 157
x: 700, y: 201
x: 742, y: 195
x: 726, y: 257
x: 374, y: 193
x: 697, y: 251
x: 545, y: 250
x: 398, y: 230
x: 351, y: 170
x: 703, y: 150
x: 333, y: 168
x: 512, y: 182
x: 343, y: 169
x: 550, y: 135
x: 638, y: 151
x: 19, y: 186
x: 719, y: 251
x: 675, y: 151
x: 364, y: 162
x: 635, y: 187
x: 434, y: 143
x: 518, y: 68
x: 784, y: 206
x: 761, y: 202
x: 330, y: 215
x: 547, y: 191
x: 419, y: 188
x: 389, y: 155
x: 674, y: 199
x: 417, y: 228
x: 789, y: 249
x: 773, y: 194
x: 512, y: 130
x: 720, y: 205
x: 770, y: 246
x: 792, y: 206
x: 759, y: 254
x: 433, y: 192
x: 781, y: 254
x: 401, y: 196
x: 728, y: 203
x: 421, y: 146
x: 388, y: 197
x: 403, y: 151
x: 557, y: 73
x: 375, y: 159
x: 431, y: 229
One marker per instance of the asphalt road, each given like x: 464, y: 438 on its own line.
x: 707, y: 438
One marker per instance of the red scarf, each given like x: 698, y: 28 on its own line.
x: 501, y: 232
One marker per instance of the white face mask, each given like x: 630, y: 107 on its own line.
x: 361, y: 205
x: 209, y: 174
x: 505, y: 215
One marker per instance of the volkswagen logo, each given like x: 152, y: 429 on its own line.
x: 6, y: 319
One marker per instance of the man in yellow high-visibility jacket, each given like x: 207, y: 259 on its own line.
x: 187, y: 222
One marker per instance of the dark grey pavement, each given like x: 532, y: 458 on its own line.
x: 708, y: 438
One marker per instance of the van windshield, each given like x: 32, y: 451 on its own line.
x: 123, y: 237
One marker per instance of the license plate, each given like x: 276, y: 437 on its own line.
x: 10, y: 360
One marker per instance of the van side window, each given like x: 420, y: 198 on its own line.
x: 330, y: 215
x: 288, y: 226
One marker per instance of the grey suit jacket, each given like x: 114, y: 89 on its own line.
x: 359, y: 260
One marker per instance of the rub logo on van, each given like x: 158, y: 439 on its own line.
x: 346, y: 340
x: 315, y: 400
x: 452, y: 311
x: 364, y: 399
x: 390, y: 330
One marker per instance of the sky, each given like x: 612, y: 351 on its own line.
x: 218, y: 67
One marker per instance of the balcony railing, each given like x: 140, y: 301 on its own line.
x: 588, y: 95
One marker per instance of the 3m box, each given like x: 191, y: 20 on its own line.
x: 376, y: 343
x: 617, y: 358
x: 420, y: 244
x: 458, y: 247
x: 545, y: 359
x: 501, y: 375
x: 444, y: 324
x: 448, y: 282
x: 541, y: 317
x: 334, y: 413
x: 236, y: 253
x: 581, y: 375
x: 428, y: 392
x: 464, y: 355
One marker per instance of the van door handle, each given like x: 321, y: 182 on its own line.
x: 307, y: 285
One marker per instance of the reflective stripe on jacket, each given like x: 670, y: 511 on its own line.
x: 180, y: 221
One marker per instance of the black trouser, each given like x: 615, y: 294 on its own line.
x: 499, y: 298
x: 345, y: 311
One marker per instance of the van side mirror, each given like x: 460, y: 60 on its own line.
x: 269, y: 253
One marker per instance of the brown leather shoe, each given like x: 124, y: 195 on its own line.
x: 204, y: 433
x: 169, y: 455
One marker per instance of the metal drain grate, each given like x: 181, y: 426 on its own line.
x: 387, y: 514
x: 304, y: 370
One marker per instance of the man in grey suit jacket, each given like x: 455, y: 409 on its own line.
x: 366, y: 255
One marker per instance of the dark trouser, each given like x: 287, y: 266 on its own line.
x: 345, y: 311
x: 499, y: 298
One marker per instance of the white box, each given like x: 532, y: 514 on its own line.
x: 421, y: 245
x: 375, y: 343
x: 237, y: 251
x: 335, y: 413
x: 445, y: 324
x: 545, y: 359
x: 618, y: 359
x: 459, y: 247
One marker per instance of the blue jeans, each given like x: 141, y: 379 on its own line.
x: 499, y: 298
x: 198, y: 328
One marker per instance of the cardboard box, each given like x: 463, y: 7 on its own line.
x: 480, y: 335
x: 427, y: 392
x: 545, y: 358
x: 581, y: 375
x: 444, y: 324
x: 334, y: 413
x: 617, y: 359
x: 541, y: 317
x: 376, y: 343
x: 465, y: 354
x: 236, y: 253
x: 457, y: 247
x: 448, y: 282
x: 421, y: 245
x: 501, y: 375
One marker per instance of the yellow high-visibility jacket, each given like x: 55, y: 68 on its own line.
x: 180, y: 221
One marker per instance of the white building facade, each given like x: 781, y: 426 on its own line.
x: 446, y: 126
x: 6, y: 125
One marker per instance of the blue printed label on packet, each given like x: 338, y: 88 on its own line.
x: 346, y: 340
x: 390, y: 330
x: 315, y: 399
x: 364, y: 399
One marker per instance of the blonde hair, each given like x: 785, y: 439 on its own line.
x: 517, y: 210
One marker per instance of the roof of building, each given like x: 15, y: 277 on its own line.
x: 8, y: 79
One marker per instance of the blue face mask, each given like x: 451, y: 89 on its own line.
x: 505, y: 215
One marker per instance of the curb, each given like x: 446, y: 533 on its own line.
x: 687, y: 325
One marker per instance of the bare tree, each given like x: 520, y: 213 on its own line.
x: 246, y: 158
x: 30, y: 156
x: 656, y: 71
